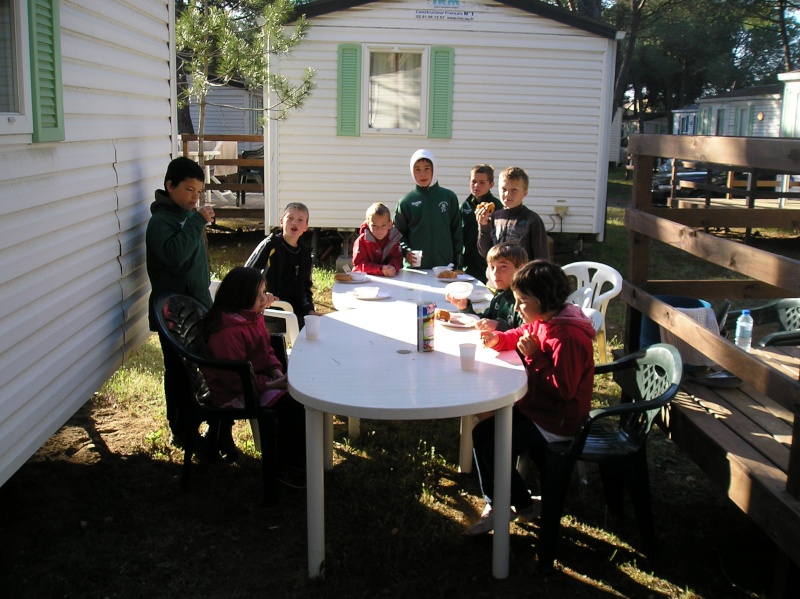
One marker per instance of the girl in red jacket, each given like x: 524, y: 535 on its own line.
x: 234, y: 330
x: 556, y: 343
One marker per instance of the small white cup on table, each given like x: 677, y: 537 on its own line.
x: 416, y: 258
x: 312, y: 326
x: 467, y: 352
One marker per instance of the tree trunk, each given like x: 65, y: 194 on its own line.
x: 185, y: 124
x: 621, y: 83
x: 787, y: 52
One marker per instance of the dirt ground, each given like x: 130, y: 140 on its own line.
x: 97, y: 512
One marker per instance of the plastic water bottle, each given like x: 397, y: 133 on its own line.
x: 744, y: 330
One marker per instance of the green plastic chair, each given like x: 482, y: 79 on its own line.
x: 178, y: 318
x: 614, y: 437
x: 785, y: 313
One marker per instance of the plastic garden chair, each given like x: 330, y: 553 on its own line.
x: 178, y: 319
x: 614, y: 437
x: 595, y: 285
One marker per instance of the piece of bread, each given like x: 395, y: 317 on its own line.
x: 488, y: 206
x: 442, y: 315
x: 342, y: 277
x: 448, y: 274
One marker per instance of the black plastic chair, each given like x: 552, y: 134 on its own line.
x: 248, y: 173
x: 614, y: 437
x: 785, y: 313
x: 178, y: 319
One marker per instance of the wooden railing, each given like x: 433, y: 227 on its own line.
x: 767, y: 275
x: 231, y: 184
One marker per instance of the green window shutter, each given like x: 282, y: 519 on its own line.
x: 348, y: 107
x: 45, y: 40
x: 440, y: 106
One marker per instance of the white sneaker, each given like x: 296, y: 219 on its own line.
x: 485, y: 524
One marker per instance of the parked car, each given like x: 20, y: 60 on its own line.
x: 685, y: 172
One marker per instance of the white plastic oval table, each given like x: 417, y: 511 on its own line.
x: 365, y: 364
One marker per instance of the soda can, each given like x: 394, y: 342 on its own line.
x: 425, y: 314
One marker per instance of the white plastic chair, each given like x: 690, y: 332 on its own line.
x: 604, y: 283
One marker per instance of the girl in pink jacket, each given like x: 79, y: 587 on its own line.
x: 234, y: 329
x: 556, y: 344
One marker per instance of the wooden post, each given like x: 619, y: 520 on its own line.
x: 793, y: 472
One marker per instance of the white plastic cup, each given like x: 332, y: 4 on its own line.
x: 312, y: 326
x: 416, y: 258
x: 467, y: 351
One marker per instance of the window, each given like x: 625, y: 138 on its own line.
x: 394, y: 90
x: 721, y: 121
x: 30, y: 70
x: 744, y: 121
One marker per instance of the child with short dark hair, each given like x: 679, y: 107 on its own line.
x: 177, y: 262
x: 376, y: 250
x: 428, y: 217
x: 233, y: 329
x: 286, y: 262
x: 556, y: 342
x: 515, y: 222
x: 504, y: 259
x: 481, y: 181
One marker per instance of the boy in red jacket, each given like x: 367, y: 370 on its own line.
x: 377, y: 249
x: 556, y: 342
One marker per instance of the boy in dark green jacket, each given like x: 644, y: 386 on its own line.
x: 177, y: 262
x: 428, y: 218
x: 504, y: 260
x: 481, y: 181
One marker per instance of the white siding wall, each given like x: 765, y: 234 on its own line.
x: 528, y: 92
x: 73, y: 286
x: 770, y: 126
x: 226, y: 114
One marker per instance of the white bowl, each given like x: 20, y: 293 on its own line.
x: 367, y: 292
x: 437, y: 270
x: 357, y: 276
x: 459, y: 290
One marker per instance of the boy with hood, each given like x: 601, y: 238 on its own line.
x: 177, y: 262
x: 429, y: 218
x: 556, y: 342
x: 377, y: 251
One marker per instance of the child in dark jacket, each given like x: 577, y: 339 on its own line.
x: 504, y: 259
x: 177, y: 262
x: 556, y: 342
x: 377, y: 251
x: 233, y: 329
x: 286, y: 262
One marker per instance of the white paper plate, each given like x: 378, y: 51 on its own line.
x: 381, y: 295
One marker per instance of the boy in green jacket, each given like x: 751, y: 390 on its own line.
x: 177, y: 262
x: 428, y: 218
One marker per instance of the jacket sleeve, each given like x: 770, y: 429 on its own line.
x: 258, y: 259
x: 401, y: 223
x: 396, y: 257
x: 554, y: 369
x: 538, y: 239
x: 485, y: 237
x: 456, y: 229
x: 507, y: 340
x: 173, y: 244
x: 308, y: 283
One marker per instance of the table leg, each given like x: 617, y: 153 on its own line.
x: 315, y: 483
x: 353, y: 426
x: 465, y: 448
x: 502, y: 492
x: 327, y: 441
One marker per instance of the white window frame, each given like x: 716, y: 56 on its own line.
x: 21, y: 122
x: 423, y: 51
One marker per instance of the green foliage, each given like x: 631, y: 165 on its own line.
x: 220, y: 41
